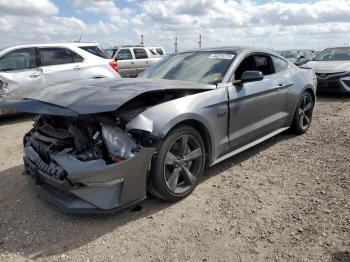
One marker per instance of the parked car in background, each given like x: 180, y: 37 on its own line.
x: 298, y: 57
x: 133, y: 60
x: 25, y: 68
x: 316, y: 53
x: 332, y: 68
x: 111, y: 51
x: 159, y: 131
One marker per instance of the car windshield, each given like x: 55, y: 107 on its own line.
x: 200, y: 67
x: 289, y: 54
x: 334, y: 54
x: 95, y: 50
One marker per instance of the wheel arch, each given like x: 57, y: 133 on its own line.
x: 203, y: 131
x: 305, y: 89
x: 312, y: 92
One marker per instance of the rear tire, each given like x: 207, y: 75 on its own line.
x: 178, y: 166
x: 303, y: 114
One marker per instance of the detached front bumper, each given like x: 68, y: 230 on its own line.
x: 88, y: 187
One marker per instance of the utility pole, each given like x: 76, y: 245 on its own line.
x: 175, y: 45
x: 141, y: 43
x: 200, y: 41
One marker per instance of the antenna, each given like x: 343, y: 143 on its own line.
x: 78, y: 41
x: 200, y: 41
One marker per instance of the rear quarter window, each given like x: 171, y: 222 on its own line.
x: 95, y: 50
x: 279, y: 64
x: 160, y: 51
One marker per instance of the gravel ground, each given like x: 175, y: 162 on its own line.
x: 287, y: 199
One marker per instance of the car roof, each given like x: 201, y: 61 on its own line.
x: 76, y: 44
x: 132, y: 46
x: 236, y: 49
x: 297, y: 50
x: 336, y: 47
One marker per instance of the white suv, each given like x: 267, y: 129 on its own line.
x: 132, y: 60
x: 29, y: 67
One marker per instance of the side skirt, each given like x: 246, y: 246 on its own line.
x: 247, y: 146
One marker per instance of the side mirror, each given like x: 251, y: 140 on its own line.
x: 301, y: 57
x: 250, y: 76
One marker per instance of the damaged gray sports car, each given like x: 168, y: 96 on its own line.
x: 99, y: 146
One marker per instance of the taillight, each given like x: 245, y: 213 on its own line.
x: 114, y: 65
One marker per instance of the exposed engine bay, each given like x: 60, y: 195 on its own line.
x: 99, y: 136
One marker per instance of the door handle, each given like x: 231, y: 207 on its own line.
x: 35, y: 75
x: 77, y: 67
x: 132, y: 63
x: 282, y: 85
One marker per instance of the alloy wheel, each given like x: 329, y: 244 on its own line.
x: 183, y: 164
x: 305, y: 111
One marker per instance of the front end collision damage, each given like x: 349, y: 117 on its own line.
x: 94, y: 163
x: 82, y: 165
x: 91, y: 151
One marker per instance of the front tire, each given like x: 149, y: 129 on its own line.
x: 179, y: 165
x: 303, y: 114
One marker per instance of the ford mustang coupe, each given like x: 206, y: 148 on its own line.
x: 99, y: 146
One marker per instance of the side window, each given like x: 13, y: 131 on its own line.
x: 95, y: 50
x: 260, y: 63
x: 160, y: 51
x: 20, y: 59
x: 123, y: 54
x: 58, y: 56
x: 152, y: 51
x: 280, y: 64
x: 140, y: 53
x: 77, y: 58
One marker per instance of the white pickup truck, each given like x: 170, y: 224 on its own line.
x: 132, y: 60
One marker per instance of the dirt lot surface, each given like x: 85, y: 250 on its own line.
x: 287, y: 199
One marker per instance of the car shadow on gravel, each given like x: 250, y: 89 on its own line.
x: 331, y: 97
x: 33, y: 229
x: 342, y: 256
x: 241, y: 157
x: 14, y: 118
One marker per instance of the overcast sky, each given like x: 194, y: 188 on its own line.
x: 276, y: 24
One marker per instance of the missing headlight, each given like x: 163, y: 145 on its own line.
x: 120, y: 145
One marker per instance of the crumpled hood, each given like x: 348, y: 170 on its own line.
x: 329, y: 66
x: 92, y: 96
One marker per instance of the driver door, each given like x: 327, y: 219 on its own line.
x: 256, y: 108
